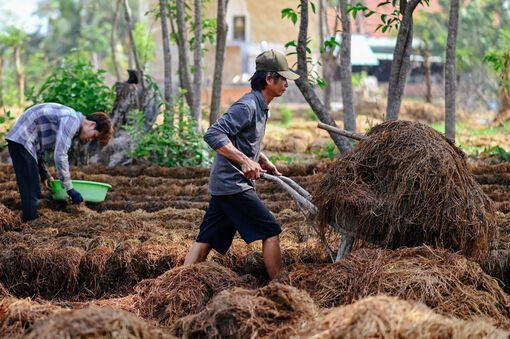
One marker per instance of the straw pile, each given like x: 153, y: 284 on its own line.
x: 389, y: 317
x: 275, y: 311
x: 93, y: 323
x: 44, y: 271
x: 408, y: 185
x: 92, y: 266
x: 498, y: 262
x: 8, y: 219
x: 448, y: 283
x: 3, y: 292
x: 183, y: 290
x: 16, y: 315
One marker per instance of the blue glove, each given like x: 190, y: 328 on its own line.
x: 75, y: 196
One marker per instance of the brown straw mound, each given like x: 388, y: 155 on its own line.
x: 448, y: 283
x: 8, y: 219
x: 16, y: 315
x: 182, y: 291
x: 408, y: 185
x: 389, y: 317
x: 43, y: 271
x: 94, y: 323
x: 274, y: 311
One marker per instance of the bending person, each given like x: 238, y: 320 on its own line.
x: 47, y: 127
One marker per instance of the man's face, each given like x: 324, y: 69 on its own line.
x: 88, y: 132
x: 276, y: 88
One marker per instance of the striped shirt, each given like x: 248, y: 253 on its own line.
x: 47, y: 127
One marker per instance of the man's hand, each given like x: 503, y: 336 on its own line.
x: 75, y: 196
x: 266, y: 164
x: 46, y: 183
x: 251, y: 169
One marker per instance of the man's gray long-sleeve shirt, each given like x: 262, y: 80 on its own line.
x: 46, y: 127
x: 244, y: 125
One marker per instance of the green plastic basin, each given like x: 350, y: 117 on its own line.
x: 91, y: 191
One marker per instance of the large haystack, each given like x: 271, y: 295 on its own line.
x: 274, y: 311
x: 390, y: 317
x: 183, y: 290
x: 94, y: 323
x: 408, y: 185
x: 448, y: 283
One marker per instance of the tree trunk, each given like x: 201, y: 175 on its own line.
x: 346, y: 71
x: 129, y: 22
x: 182, y: 44
x: 502, y: 90
x: 360, y: 29
x: 221, y: 42
x: 19, y: 74
x: 112, y: 39
x: 425, y: 54
x: 342, y: 143
x: 167, y: 57
x: 1, y: 79
x: 329, y: 66
x: 329, y: 60
x: 197, y: 62
x: 401, y: 64
x: 449, y: 88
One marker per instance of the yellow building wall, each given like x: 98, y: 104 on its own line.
x: 263, y: 24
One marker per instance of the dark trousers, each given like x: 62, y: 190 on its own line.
x: 27, y: 175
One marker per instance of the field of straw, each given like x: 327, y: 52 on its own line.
x: 114, y: 269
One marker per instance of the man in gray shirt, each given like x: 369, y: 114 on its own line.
x: 237, y: 139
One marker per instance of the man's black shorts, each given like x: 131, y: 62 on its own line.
x: 243, y: 212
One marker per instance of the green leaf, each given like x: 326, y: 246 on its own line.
x: 369, y: 14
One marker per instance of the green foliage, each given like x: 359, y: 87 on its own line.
x: 291, y: 14
x: 330, y: 44
x: 499, y: 59
x: 289, y: 159
x: 313, y: 76
x: 286, y: 115
x: 6, y: 122
x: 13, y: 36
x: 358, y: 78
x: 145, y: 44
x: 76, y: 84
x: 496, y: 152
x: 389, y: 21
x: 169, y: 145
x: 310, y: 115
x: 330, y: 152
x: 209, y: 25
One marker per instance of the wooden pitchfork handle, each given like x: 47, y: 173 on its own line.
x: 303, y: 200
x: 340, y: 131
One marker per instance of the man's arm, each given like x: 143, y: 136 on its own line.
x: 68, y: 127
x: 250, y: 168
x: 266, y: 164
